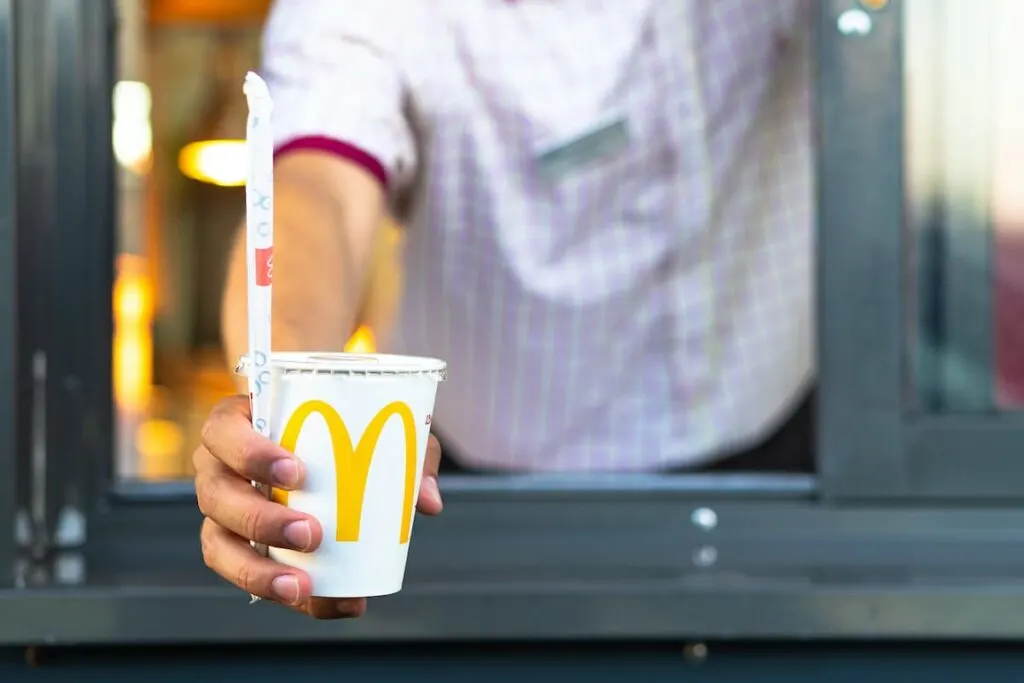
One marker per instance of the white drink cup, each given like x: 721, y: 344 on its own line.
x: 359, y: 423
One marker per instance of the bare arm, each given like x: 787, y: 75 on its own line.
x: 344, y: 139
x: 327, y: 213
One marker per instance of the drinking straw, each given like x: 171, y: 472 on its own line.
x: 259, y: 235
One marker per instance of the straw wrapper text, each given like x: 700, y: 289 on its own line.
x: 259, y: 224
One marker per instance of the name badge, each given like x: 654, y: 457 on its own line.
x: 601, y: 141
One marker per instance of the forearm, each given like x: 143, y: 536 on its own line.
x: 323, y: 240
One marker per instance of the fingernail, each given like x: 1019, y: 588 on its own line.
x: 286, y: 588
x: 431, y: 489
x: 285, y: 473
x: 299, y: 534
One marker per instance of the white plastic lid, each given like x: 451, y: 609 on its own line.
x: 353, y: 364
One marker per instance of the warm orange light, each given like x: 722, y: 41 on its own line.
x: 218, y: 162
x: 159, y: 444
x: 133, y: 339
x: 132, y: 301
x: 133, y: 291
x: 874, y: 5
x: 361, y: 341
x: 133, y: 363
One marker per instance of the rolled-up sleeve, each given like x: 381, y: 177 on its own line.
x: 334, y: 75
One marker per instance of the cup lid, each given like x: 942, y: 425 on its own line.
x: 353, y: 364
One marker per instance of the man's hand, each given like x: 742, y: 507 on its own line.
x: 230, y: 456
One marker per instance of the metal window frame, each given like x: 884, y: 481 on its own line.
x: 588, y: 557
x: 563, y: 561
x: 8, y: 298
x: 879, y: 444
x: 63, y: 327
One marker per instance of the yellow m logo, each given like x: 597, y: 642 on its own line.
x: 352, y: 464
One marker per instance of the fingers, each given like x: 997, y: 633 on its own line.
x: 430, y: 493
x: 334, y: 608
x: 231, y: 454
x: 235, y: 505
x: 433, y: 460
x: 228, y: 435
x: 234, y: 559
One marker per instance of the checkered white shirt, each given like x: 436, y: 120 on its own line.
x: 647, y: 306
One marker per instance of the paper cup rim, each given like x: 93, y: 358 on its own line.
x: 353, y: 364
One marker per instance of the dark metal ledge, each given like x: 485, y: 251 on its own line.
x: 749, y: 486
x: 614, y: 611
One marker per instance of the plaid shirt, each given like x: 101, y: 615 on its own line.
x: 609, y: 207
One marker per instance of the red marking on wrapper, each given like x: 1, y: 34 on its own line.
x: 264, y: 267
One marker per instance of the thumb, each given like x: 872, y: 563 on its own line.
x: 430, y: 493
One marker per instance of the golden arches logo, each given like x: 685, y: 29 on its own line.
x: 352, y: 463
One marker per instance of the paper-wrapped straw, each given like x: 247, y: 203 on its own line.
x: 259, y: 233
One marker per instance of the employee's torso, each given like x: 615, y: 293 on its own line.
x: 611, y: 238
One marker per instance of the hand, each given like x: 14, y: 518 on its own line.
x: 230, y: 456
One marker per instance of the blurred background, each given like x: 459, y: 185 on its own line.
x: 179, y: 126
x: 754, y: 557
x: 178, y: 139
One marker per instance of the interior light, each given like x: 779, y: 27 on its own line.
x: 219, y: 162
x: 159, y: 444
x: 133, y: 130
x: 133, y: 340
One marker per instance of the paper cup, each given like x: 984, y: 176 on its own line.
x: 359, y: 423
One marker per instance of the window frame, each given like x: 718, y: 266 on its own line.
x: 8, y: 297
x: 64, y: 180
x: 879, y: 445
x: 535, y: 557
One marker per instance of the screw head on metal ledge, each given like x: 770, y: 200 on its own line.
x: 704, y: 518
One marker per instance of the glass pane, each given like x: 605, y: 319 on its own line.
x: 1008, y: 207
x: 964, y: 139
x: 179, y: 124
